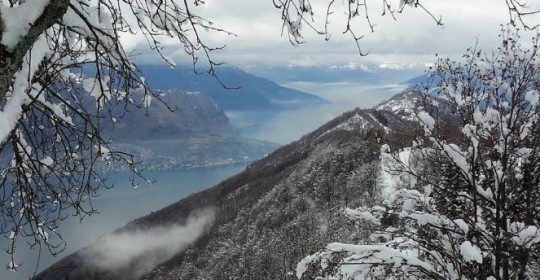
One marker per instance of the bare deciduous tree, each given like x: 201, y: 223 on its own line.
x: 62, y: 67
x: 317, y: 15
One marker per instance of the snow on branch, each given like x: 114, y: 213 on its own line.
x: 63, y: 75
x: 466, y: 193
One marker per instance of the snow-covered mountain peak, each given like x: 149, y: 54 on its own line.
x: 408, y: 103
x: 357, y: 121
x: 405, y: 104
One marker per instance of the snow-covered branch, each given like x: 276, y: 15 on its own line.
x: 461, y: 201
x: 63, y: 69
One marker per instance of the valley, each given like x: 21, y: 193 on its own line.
x: 190, y: 153
x: 326, y: 166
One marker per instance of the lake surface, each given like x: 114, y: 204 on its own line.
x: 117, y: 207
x: 289, y: 126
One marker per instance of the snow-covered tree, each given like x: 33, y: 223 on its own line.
x: 62, y: 68
x: 463, y: 205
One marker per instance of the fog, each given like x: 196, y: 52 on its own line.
x: 142, y: 250
x: 117, y: 207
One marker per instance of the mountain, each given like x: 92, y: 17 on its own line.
x: 407, y: 103
x: 281, y: 208
x: 182, y: 130
x: 233, y: 89
x: 338, y: 73
x: 178, y: 114
x: 423, y: 80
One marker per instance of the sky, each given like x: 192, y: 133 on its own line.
x: 409, y: 41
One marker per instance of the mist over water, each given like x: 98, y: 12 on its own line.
x: 117, y: 207
x: 138, y: 252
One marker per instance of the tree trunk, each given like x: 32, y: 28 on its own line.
x: 12, y: 59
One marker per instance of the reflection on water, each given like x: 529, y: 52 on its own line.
x: 118, y: 206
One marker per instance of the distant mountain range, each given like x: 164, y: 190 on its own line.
x: 166, y: 139
x: 337, y: 73
x: 233, y: 89
x: 282, y: 207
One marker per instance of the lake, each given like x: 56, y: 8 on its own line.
x: 288, y: 126
x: 117, y: 207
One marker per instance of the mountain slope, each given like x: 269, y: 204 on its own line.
x: 185, y: 114
x: 280, y: 209
x: 182, y: 130
x: 239, y: 91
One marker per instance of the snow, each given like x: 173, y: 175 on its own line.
x: 488, y: 153
x: 386, y: 181
x: 525, y: 236
x: 97, y: 89
x: 303, y: 265
x: 390, y: 179
x: 18, y: 20
x: 103, y: 151
x: 532, y: 97
x: 470, y: 252
x: 305, y: 6
x: 42, y: 233
x: 426, y: 120
x: 383, y: 253
x: 12, y: 266
x: 97, y: 18
x: 147, y: 100
x: 404, y: 106
x: 457, y: 156
x: 22, y: 91
x: 426, y: 218
x: 352, y: 123
x: 48, y: 161
x: 462, y: 225
x: 402, y: 3
x: 361, y: 214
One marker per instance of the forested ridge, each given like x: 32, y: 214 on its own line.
x: 282, y: 207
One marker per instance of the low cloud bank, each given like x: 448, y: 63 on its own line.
x: 140, y: 251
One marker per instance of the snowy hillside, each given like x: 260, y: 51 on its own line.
x: 280, y: 209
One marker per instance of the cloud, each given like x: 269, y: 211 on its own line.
x: 412, y: 38
x: 140, y: 251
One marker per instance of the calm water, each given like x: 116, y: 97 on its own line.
x: 289, y: 126
x: 119, y: 206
